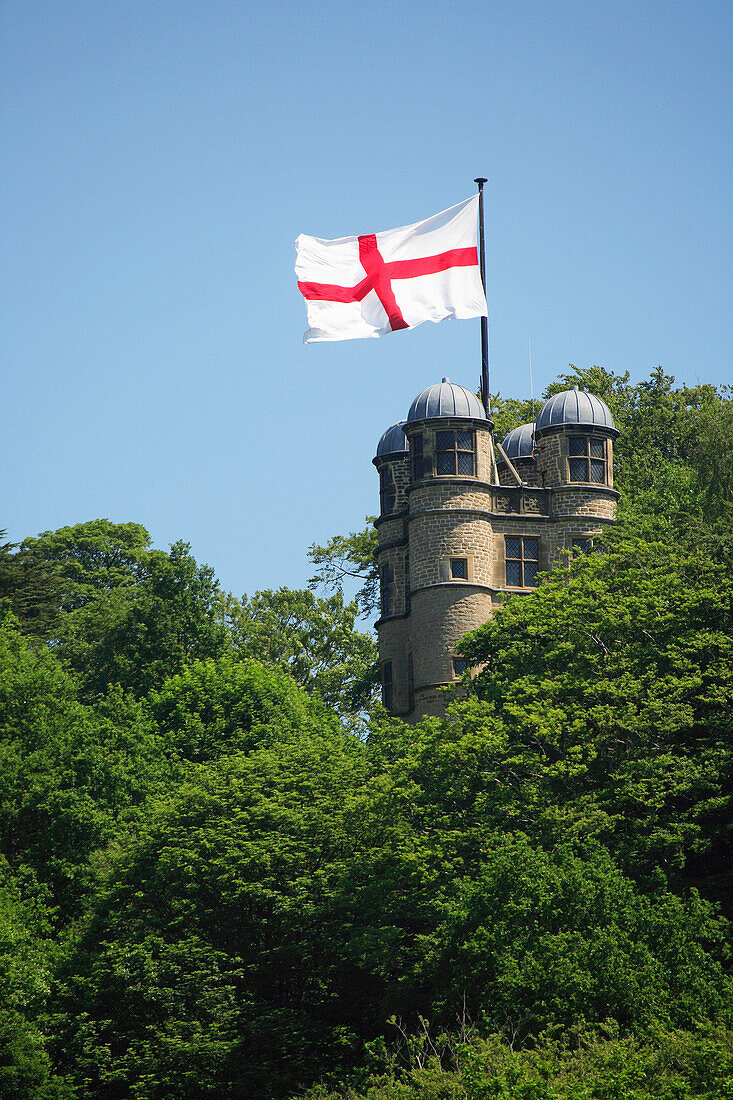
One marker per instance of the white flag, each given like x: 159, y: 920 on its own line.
x: 365, y: 286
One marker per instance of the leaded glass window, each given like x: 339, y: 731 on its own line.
x: 459, y: 569
x: 455, y: 453
x: 587, y: 459
x: 418, y: 462
x: 386, y: 588
x: 522, y: 553
x: 387, y: 492
x: 387, y: 685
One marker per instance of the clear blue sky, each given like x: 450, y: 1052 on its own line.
x: 159, y: 159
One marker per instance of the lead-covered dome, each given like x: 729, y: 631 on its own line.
x: 446, y: 399
x: 575, y: 407
x: 519, y: 443
x: 393, y: 441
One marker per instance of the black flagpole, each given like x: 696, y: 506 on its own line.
x: 485, y: 395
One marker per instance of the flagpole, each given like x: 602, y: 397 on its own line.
x: 485, y: 394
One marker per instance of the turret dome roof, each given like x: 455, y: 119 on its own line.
x: 393, y: 441
x: 575, y: 407
x: 446, y: 399
x: 519, y: 443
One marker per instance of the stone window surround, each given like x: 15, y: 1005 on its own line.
x: 451, y: 445
x: 588, y: 436
x: 459, y: 667
x: 425, y: 452
x: 387, y: 491
x: 386, y: 589
x: 446, y: 573
x: 388, y: 685
x: 522, y: 559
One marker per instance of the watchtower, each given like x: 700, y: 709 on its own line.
x: 458, y: 532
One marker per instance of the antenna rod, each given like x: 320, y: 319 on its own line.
x: 485, y: 394
x: 531, y: 385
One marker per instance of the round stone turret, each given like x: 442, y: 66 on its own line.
x: 574, y: 433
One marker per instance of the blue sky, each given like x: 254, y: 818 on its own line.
x: 159, y: 159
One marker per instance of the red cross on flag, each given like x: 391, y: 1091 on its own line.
x: 365, y: 286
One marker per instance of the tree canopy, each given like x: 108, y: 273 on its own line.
x: 225, y: 871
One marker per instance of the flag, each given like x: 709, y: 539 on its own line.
x: 356, y: 287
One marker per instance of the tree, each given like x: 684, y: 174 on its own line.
x: 508, y: 413
x: 25, y: 980
x: 218, y: 708
x: 72, y: 778
x: 313, y: 640
x: 30, y: 588
x: 209, y: 968
x: 610, y: 684
x: 139, y: 636
x: 349, y: 556
x: 540, y: 940
x: 91, y: 558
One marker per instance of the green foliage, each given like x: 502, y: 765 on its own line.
x: 26, y: 955
x: 217, y: 708
x: 669, y: 1065
x: 213, y: 966
x: 538, y: 941
x: 349, y: 556
x: 508, y: 413
x: 610, y: 687
x: 70, y: 777
x: 313, y: 640
x: 90, y: 558
x: 30, y: 589
x: 140, y: 636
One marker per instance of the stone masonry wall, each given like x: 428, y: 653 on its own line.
x: 552, y: 460
x: 583, y: 500
x: 394, y: 646
x: 550, y: 463
x: 526, y: 468
x: 439, y: 617
x: 396, y: 558
x: 438, y: 536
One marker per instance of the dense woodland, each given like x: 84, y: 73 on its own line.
x: 227, y: 873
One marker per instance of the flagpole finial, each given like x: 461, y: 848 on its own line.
x: 480, y: 181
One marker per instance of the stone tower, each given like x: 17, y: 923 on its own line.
x: 458, y: 533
